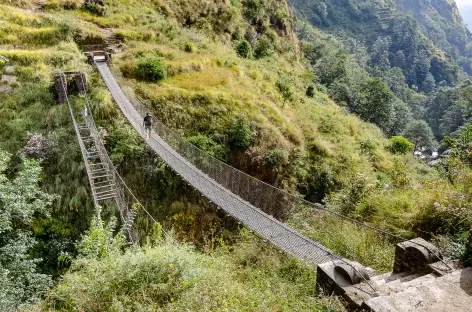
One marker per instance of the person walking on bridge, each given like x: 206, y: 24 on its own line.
x: 147, y: 123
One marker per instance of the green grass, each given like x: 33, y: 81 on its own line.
x: 173, y: 277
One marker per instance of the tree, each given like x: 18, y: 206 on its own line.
x: 429, y: 84
x: 461, y: 147
x: 399, y: 59
x: 453, y: 118
x: 401, y: 116
x: 395, y: 79
x: 380, y: 51
x: 374, y: 103
x: 420, y: 134
x: 330, y: 67
x: 422, y: 65
x: 21, y: 199
x: 437, y: 105
x: 253, y: 10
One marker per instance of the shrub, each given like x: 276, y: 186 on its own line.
x: 346, y: 200
x: 151, y: 69
x: 284, y: 89
x: 3, y: 62
x: 368, y: 147
x: 208, y: 145
x: 277, y: 157
x: 400, y: 145
x: 264, y: 48
x: 189, y: 47
x: 241, y: 132
x: 310, y: 91
x: 243, y: 49
x: 95, y: 9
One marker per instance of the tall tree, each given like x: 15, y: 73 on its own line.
x: 21, y: 199
x: 420, y: 134
x: 374, y: 103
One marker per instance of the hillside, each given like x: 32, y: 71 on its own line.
x: 234, y: 80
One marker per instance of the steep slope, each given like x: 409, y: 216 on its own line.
x: 441, y: 22
x: 417, y: 29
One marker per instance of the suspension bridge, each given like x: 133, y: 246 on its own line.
x: 259, y: 206
x: 217, y: 182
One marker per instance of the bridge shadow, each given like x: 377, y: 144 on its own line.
x: 466, y: 281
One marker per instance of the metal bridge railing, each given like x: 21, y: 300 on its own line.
x: 236, y: 193
x: 274, y: 201
x: 94, y: 154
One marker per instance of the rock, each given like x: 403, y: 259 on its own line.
x: 9, y: 70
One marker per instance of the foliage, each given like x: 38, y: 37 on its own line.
x: 151, y: 69
x: 400, y: 145
x: 3, y: 62
x: 244, y: 49
x: 208, y: 145
x: 310, y: 91
x: 374, y: 103
x: 99, y: 241
x: 277, y: 158
x: 346, y: 200
x: 241, y: 132
x: 182, y: 278
x: 95, y: 8
x: 124, y: 143
x: 264, y: 48
x: 189, y: 47
x: 420, y: 134
x: 21, y: 201
x: 39, y: 146
x: 284, y: 88
x: 313, y: 147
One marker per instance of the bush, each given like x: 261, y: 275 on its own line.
x: 95, y: 9
x: 3, y: 62
x: 241, y: 132
x: 244, y: 49
x: 277, y: 158
x: 264, y: 48
x: 310, y: 91
x: 400, y: 145
x: 189, y: 47
x: 151, y: 69
x: 208, y: 145
x: 284, y: 89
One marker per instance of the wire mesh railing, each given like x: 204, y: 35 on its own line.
x: 239, y: 194
x: 94, y: 154
x: 274, y: 201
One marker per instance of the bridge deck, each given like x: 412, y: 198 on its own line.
x: 271, y: 229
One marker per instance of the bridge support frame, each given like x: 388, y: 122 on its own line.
x: 415, y: 256
x: 92, y: 54
x: 339, y: 276
x: 60, y: 84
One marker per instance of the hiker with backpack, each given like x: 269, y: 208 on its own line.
x: 147, y: 124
